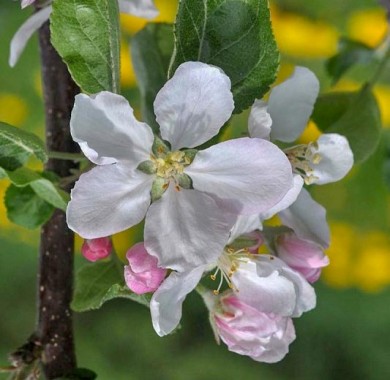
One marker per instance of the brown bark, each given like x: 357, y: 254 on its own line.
x: 55, y: 276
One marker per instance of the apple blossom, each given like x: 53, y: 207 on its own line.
x: 304, y: 256
x: 264, y: 337
x: 285, y: 117
x: 96, y: 249
x: 263, y: 282
x: 142, y: 275
x: 140, y: 8
x: 193, y: 198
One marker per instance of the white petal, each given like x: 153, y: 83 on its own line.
x: 260, y: 120
x: 249, y: 175
x: 107, y: 131
x: 26, y: 3
x: 245, y: 224
x: 108, y: 199
x: 269, y: 292
x: 287, y: 200
x: 193, y: 105
x: 185, y: 229
x: 336, y: 158
x: 24, y: 33
x: 305, y: 294
x: 291, y: 104
x: 308, y: 219
x: 166, y: 303
x: 139, y: 8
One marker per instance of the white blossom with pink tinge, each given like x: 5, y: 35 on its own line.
x: 304, y: 256
x: 264, y: 337
x: 185, y: 227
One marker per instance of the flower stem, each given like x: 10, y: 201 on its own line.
x: 383, y: 63
x: 75, y: 157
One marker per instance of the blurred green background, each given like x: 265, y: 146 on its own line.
x: 346, y: 337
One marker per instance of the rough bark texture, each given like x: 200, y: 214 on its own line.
x: 55, y: 276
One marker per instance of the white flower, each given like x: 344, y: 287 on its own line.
x: 285, y: 117
x: 184, y: 226
x: 140, y: 8
x: 263, y: 282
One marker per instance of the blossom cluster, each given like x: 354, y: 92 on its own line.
x: 206, y: 210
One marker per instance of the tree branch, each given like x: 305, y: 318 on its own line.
x: 55, y: 276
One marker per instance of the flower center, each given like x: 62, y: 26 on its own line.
x: 170, y: 165
x: 228, y: 263
x: 302, y: 159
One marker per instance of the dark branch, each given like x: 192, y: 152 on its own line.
x: 55, y: 277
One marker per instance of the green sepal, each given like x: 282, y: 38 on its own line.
x: 159, y: 187
x: 147, y: 167
x: 160, y: 148
x: 184, y: 181
x: 190, y: 154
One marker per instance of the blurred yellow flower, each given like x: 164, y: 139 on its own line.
x: 299, y: 36
x: 368, y: 26
x: 13, y: 109
x: 360, y: 259
x: 310, y: 134
x: 128, y: 78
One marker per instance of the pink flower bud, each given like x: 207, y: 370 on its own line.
x: 264, y: 337
x: 304, y: 256
x: 142, y: 275
x: 96, y: 249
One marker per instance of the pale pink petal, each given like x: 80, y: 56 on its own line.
x: 24, y: 33
x: 185, y: 229
x: 166, y: 303
x: 336, y: 158
x: 193, y: 105
x: 108, y: 199
x: 249, y: 175
x: 308, y: 219
x: 287, y: 200
x: 291, y: 103
x: 107, y: 131
x: 259, y: 123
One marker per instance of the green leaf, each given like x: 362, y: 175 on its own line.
x: 151, y: 51
x: 350, y: 53
x: 26, y: 208
x: 86, y: 35
x: 352, y: 114
x: 16, y: 146
x: 44, y: 188
x: 101, y: 282
x: 235, y: 35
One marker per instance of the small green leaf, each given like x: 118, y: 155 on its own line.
x: 86, y: 35
x: 101, y: 282
x: 350, y: 53
x: 44, y: 188
x: 16, y: 146
x: 151, y: 51
x: 26, y: 208
x: 352, y: 114
x: 235, y: 35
